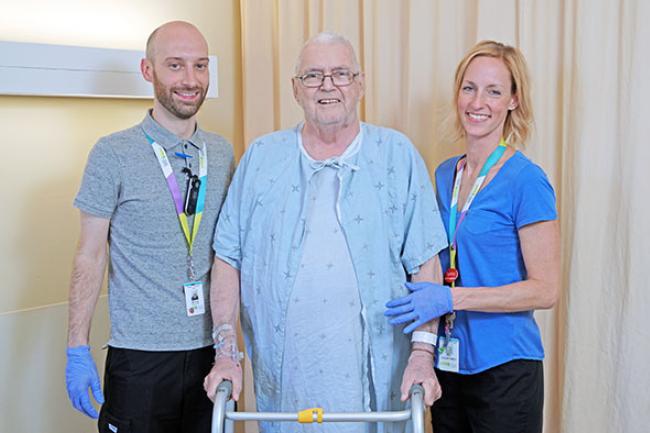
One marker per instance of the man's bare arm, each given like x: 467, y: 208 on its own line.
x: 87, y: 276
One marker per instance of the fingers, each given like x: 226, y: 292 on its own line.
x: 76, y: 403
x: 403, y: 318
x: 413, y: 326
x: 81, y: 401
x: 432, y: 390
x: 432, y: 393
x: 86, y: 406
x: 399, y: 301
x: 405, y: 388
x: 210, y: 384
x: 210, y: 390
x: 394, y: 311
x: 429, y: 392
x: 437, y: 392
x: 97, y: 390
x: 216, y: 376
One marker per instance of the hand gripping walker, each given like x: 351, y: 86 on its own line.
x: 223, y: 414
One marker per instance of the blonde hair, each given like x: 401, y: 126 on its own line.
x: 519, y: 121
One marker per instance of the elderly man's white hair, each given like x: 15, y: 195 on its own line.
x: 328, y: 38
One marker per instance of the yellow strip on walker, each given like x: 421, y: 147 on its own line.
x: 307, y: 416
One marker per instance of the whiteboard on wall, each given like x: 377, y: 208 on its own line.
x: 64, y: 70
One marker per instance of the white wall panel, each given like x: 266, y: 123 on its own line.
x: 64, y: 70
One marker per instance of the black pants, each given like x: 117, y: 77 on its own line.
x: 508, y: 398
x: 156, y: 392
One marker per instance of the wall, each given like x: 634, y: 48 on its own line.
x: 45, y: 144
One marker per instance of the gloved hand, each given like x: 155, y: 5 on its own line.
x: 81, y: 374
x: 426, y: 302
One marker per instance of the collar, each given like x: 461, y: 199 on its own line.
x: 340, y: 161
x: 165, y: 137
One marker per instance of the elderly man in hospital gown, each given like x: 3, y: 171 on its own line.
x: 323, y: 223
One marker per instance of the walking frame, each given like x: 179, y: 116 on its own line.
x: 224, y: 414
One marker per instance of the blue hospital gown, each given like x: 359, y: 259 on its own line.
x: 390, y: 221
x: 324, y: 315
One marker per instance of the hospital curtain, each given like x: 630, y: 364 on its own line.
x: 590, y: 72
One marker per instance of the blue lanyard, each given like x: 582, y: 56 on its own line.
x: 478, y: 183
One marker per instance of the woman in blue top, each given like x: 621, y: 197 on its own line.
x: 503, y: 260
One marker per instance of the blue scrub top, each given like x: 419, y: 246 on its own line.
x: 489, y: 255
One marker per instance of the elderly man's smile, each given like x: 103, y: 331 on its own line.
x: 328, y: 101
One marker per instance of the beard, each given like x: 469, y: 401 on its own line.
x: 180, y: 109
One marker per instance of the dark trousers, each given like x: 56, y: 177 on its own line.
x: 156, y: 392
x: 508, y: 398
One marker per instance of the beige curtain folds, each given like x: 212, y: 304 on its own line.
x: 590, y: 71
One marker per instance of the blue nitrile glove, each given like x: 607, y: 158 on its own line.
x: 81, y: 374
x: 426, y: 302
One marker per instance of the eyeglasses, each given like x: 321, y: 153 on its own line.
x: 339, y: 77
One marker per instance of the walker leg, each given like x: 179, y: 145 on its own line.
x: 417, y: 408
x: 229, y: 424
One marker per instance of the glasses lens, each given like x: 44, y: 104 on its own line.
x: 312, y: 79
x: 342, y: 78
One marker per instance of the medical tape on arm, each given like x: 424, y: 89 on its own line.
x: 225, y: 342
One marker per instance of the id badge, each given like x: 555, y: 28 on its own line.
x: 448, y: 355
x: 194, y: 301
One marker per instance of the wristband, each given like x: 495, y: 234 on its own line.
x: 424, y: 337
x: 418, y: 349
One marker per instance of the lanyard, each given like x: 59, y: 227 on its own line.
x: 452, y: 273
x: 478, y: 183
x: 172, y: 184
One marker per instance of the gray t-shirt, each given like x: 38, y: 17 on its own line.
x: 123, y: 182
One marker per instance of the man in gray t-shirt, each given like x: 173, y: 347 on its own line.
x: 149, y: 202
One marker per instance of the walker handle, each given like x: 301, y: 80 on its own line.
x: 219, y: 410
